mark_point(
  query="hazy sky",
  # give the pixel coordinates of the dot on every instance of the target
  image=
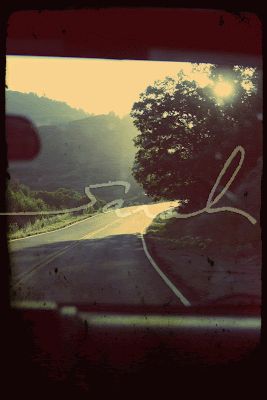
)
(96, 86)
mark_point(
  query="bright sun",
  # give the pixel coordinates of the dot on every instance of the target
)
(223, 89)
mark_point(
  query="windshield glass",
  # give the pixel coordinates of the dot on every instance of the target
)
(147, 189)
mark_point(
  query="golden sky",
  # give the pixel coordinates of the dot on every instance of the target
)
(96, 86)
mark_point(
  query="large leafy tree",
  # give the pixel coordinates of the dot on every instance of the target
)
(188, 131)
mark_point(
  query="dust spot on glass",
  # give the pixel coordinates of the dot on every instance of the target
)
(211, 262)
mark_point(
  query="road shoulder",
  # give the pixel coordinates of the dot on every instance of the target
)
(202, 275)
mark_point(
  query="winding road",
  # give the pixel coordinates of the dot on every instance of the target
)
(98, 260)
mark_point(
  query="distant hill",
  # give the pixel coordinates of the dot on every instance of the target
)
(41, 110)
(82, 152)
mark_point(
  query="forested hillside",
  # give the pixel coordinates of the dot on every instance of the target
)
(41, 110)
(21, 199)
(78, 149)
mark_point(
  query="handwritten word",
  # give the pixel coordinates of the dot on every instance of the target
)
(119, 202)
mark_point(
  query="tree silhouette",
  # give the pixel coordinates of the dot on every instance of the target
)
(187, 133)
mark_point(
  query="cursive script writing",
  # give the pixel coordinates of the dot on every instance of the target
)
(119, 202)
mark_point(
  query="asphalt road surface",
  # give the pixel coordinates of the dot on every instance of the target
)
(100, 259)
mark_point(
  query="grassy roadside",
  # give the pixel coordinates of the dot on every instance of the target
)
(224, 233)
(169, 233)
(48, 224)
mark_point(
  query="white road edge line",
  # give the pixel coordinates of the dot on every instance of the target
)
(166, 280)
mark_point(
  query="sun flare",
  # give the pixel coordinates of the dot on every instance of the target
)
(223, 89)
